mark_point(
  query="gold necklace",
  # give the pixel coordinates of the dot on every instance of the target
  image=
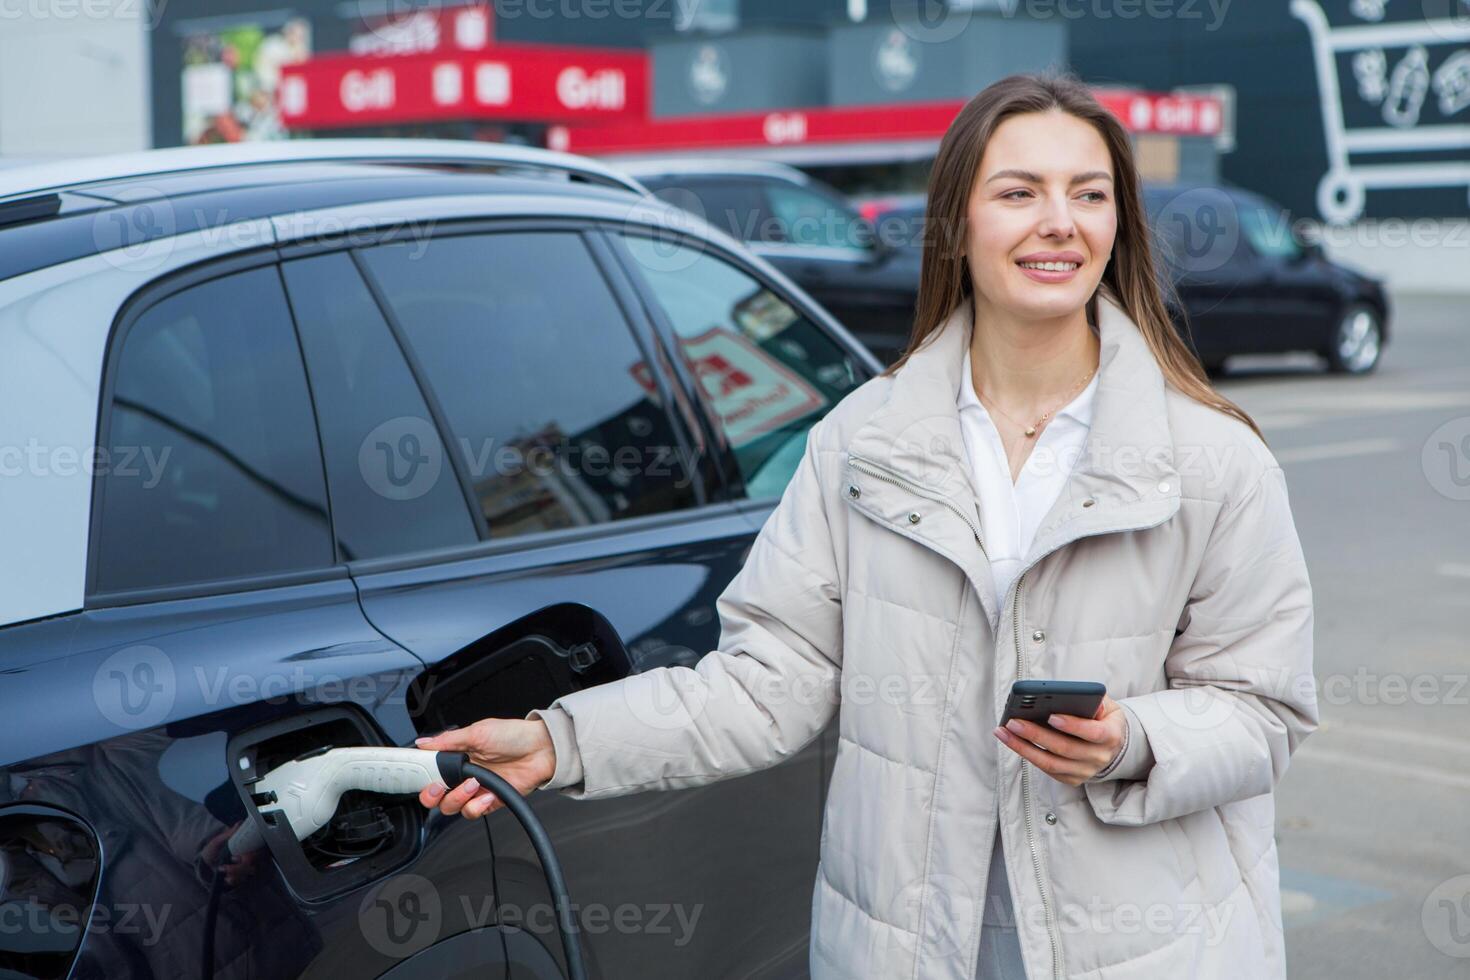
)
(1031, 430)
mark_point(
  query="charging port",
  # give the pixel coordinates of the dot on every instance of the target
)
(370, 835)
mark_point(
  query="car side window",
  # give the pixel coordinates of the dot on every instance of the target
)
(1198, 232)
(810, 218)
(552, 407)
(767, 373)
(216, 472)
(1267, 229)
(393, 489)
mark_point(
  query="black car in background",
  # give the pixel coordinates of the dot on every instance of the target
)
(1248, 283)
(391, 435)
(868, 280)
(1244, 280)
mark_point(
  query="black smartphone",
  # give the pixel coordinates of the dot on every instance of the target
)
(1038, 700)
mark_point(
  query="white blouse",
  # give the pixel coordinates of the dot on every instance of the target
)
(1009, 515)
(1010, 512)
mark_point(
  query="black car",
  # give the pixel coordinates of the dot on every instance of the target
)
(867, 276)
(1246, 282)
(335, 443)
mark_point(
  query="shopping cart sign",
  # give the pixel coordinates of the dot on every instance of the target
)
(1393, 91)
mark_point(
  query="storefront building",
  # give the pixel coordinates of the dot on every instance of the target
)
(1338, 109)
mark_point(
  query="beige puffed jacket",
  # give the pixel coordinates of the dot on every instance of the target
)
(1169, 569)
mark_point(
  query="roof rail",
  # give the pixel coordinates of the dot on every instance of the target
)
(62, 174)
(693, 166)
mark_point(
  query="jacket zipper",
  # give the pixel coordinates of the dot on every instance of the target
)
(1026, 795)
(873, 470)
(881, 473)
(1025, 769)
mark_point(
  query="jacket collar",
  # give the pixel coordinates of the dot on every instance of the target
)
(1126, 467)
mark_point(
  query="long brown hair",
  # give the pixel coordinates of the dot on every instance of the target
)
(1130, 277)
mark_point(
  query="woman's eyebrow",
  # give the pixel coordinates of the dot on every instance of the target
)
(1036, 178)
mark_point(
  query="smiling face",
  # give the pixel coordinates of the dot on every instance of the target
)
(1044, 193)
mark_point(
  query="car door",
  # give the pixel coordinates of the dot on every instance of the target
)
(596, 503)
(221, 634)
(762, 367)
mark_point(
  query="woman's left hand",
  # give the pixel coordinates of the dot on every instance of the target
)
(1069, 749)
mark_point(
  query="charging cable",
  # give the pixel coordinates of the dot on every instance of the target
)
(305, 792)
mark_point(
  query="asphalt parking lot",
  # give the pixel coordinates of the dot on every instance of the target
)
(1374, 813)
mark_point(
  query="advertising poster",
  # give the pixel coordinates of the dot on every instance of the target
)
(230, 77)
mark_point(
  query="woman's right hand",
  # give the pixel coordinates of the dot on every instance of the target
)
(520, 752)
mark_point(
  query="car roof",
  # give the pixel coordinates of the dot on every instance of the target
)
(650, 168)
(85, 171)
(128, 203)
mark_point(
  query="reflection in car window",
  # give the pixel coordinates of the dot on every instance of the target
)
(393, 491)
(554, 411)
(767, 373)
(809, 218)
(215, 469)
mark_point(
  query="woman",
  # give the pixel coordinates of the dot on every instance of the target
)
(1161, 559)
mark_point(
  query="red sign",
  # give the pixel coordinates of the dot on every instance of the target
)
(1141, 112)
(1153, 112)
(857, 124)
(521, 81)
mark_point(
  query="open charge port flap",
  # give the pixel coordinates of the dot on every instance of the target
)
(370, 834)
(524, 665)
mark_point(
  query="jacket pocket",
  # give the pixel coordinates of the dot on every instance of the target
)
(1122, 892)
